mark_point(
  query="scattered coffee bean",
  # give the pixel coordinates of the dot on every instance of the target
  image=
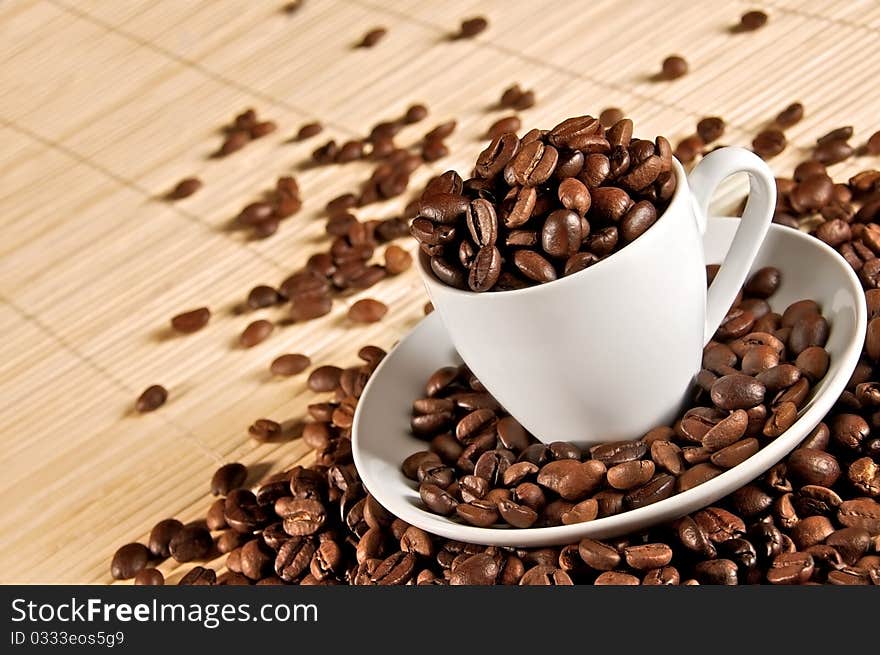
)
(367, 310)
(185, 188)
(769, 143)
(228, 477)
(290, 364)
(151, 399)
(751, 21)
(472, 26)
(308, 130)
(674, 67)
(372, 37)
(129, 560)
(791, 115)
(191, 321)
(256, 333)
(711, 129)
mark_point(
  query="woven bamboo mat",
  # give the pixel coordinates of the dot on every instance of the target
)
(105, 105)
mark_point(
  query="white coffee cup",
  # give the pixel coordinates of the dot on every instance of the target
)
(610, 352)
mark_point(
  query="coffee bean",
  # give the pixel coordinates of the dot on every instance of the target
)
(265, 429)
(791, 568)
(610, 116)
(129, 560)
(561, 235)
(294, 557)
(199, 576)
(308, 130)
(697, 475)
(185, 188)
(717, 572)
(367, 310)
(161, 535)
(534, 266)
(711, 128)
(637, 220)
(478, 569)
(627, 475)
(480, 513)
(255, 333)
(674, 67)
(507, 124)
(290, 364)
(372, 37)
(192, 541)
(472, 26)
(618, 452)
(151, 577)
(648, 556)
(546, 576)
(769, 143)
(790, 115)
(860, 513)
(534, 164)
(814, 466)
(737, 391)
(752, 20)
(616, 579)
(151, 399)
(228, 477)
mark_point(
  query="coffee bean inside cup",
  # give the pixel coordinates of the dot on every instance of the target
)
(546, 205)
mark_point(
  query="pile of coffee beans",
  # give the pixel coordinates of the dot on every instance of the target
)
(547, 205)
(483, 468)
(812, 518)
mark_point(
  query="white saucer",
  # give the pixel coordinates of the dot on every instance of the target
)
(381, 438)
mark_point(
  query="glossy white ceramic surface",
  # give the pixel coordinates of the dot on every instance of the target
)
(381, 437)
(568, 359)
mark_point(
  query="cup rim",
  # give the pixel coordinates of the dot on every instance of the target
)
(431, 280)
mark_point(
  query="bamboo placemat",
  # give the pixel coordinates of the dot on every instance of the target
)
(107, 104)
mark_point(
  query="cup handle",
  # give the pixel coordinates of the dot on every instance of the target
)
(704, 179)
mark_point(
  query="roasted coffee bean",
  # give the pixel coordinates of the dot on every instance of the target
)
(711, 128)
(735, 453)
(659, 488)
(228, 477)
(648, 556)
(769, 143)
(437, 500)
(545, 575)
(367, 310)
(151, 399)
(534, 266)
(737, 391)
(161, 535)
(534, 164)
(717, 572)
(561, 235)
(472, 26)
(478, 512)
(814, 467)
(674, 67)
(697, 475)
(860, 513)
(791, 568)
(129, 560)
(191, 321)
(478, 569)
(616, 578)
(294, 557)
(290, 364)
(628, 475)
(790, 115)
(192, 541)
(255, 333)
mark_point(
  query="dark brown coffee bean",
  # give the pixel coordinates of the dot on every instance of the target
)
(610, 203)
(478, 569)
(534, 266)
(437, 500)
(372, 37)
(711, 128)
(574, 195)
(637, 219)
(791, 568)
(505, 125)
(790, 115)
(864, 474)
(648, 556)
(860, 513)
(769, 143)
(618, 452)
(659, 488)
(697, 475)
(185, 188)
(128, 561)
(806, 332)
(610, 116)
(199, 576)
(497, 155)
(627, 475)
(367, 310)
(833, 151)
(735, 454)
(783, 417)
(519, 516)
(534, 164)
(255, 333)
(161, 535)
(191, 321)
(674, 67)
(290, 364)
(480, 513)
(228, 477)
(616, 579)
(482, 222)
(764, 282)
(688, 149)
(472, 26)
(561, 235)
(151, 399)
(264, 429)
(726, 432)
(544, 575)
(717, 572)
(192, 541)
(294, 557)
(308, 130)
(813, 467)
(149, 577)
